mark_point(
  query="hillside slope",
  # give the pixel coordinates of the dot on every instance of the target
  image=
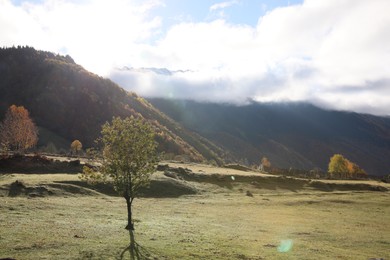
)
(293, 135)
(67, 102)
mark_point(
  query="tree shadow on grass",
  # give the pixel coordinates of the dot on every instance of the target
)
(135, 251)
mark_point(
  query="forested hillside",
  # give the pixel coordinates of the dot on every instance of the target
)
(67, 102)
(295, 135)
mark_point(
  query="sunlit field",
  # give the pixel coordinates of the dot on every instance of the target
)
(242, 220)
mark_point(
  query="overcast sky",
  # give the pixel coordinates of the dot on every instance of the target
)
(333, 53)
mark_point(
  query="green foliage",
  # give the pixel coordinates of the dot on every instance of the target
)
(129, 155)
(91, 176)
(129, 158)
(93, 153)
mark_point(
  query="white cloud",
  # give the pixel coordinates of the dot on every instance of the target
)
(333, 52)
(98, 34)
(222, 5)
(329, 52)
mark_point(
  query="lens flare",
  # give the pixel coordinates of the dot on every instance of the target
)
(285, 246)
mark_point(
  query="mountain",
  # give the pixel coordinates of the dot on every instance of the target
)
(295, 135)
(67, 103)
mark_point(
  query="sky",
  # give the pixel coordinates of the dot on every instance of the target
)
(331, 53)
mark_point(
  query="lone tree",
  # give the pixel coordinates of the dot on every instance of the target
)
(17, 131)
(129, 159)
(265, 164)
(76, 146)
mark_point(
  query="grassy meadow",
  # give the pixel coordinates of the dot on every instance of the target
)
(264, 217)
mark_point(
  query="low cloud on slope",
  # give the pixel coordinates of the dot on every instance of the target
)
(332, 53)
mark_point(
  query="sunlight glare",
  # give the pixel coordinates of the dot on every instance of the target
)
(285, 246)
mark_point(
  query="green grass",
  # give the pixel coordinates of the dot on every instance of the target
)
(216, 224)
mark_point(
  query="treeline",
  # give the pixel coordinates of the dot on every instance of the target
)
(339, 168)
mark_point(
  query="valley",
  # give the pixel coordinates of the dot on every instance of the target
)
(210, 212)
(206, 200)
(70, 103)
(186, 130)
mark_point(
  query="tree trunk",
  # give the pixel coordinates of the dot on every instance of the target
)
(130, 225)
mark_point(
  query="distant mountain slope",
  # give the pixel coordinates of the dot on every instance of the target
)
(291, 135)
(66, 100)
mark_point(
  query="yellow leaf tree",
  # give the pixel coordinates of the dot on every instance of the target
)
(337, 166)
(342, 167)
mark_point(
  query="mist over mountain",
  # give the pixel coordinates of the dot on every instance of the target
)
(214, 87)
(296, 135)
(67, 102)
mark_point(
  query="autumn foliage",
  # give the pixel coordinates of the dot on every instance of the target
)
(76, 146)
(340, 167)
(17, 131)
(265, 164)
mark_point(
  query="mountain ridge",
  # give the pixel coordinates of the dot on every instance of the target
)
(65, 99)
(67, 102)
(291, 135)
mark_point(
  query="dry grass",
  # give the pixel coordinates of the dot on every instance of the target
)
(218, 223)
